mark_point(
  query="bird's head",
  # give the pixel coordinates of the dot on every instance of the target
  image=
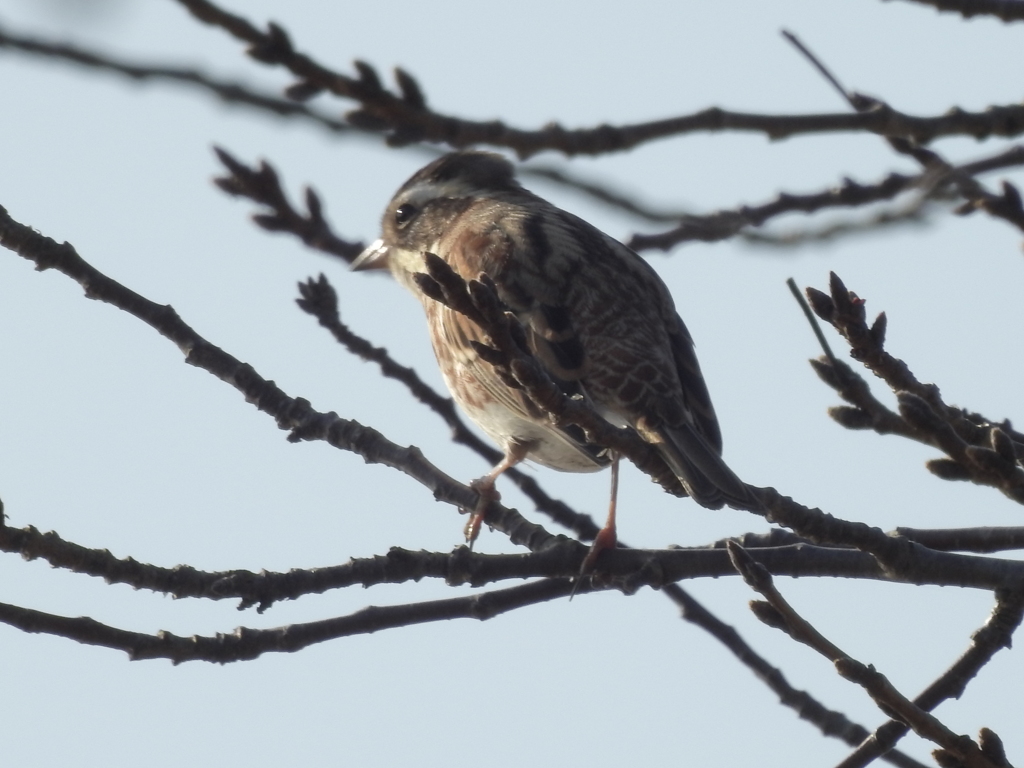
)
(424, 208)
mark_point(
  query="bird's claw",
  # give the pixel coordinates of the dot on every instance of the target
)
(487, 493)
(605, 539)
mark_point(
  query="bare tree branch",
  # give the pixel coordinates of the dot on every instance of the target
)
(924, 724)
(778, 613)
(980, 450)
(829, 722)
(978, 539)
(231, 93)
(994, 635)
(900, 559)
(1007, 206)
(625, 569)
(244, 643)
(721, 225)
(816, 544)
(408, 120)
(293, 414)
(263, 186)
(984, 539)
(919, 212)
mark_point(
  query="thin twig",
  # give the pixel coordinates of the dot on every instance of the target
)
(818, 65)
(815, 326)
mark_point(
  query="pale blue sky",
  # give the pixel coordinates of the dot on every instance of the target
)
(108, 438)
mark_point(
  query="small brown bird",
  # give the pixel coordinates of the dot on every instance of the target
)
(597, 317)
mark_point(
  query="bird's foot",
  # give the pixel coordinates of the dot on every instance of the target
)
(487, 493)
(605, 539)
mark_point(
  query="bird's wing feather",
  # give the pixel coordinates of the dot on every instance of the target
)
(479, 251)
(604, 325)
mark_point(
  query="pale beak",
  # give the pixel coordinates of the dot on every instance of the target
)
(374, 257)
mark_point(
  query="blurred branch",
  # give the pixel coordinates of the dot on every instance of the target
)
(1007, 206)
(723, 224)
(1007, 10)
(603, 193)
(262, 185)
(231, 93)
(711, 227)
(918, 212)
(979, 450)
(237, 93)
(407, 119)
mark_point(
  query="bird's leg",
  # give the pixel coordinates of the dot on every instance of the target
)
(606, 538)
(486, 491)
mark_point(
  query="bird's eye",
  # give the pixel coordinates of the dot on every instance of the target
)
(405, 214)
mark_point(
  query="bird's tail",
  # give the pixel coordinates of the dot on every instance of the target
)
(701, 470)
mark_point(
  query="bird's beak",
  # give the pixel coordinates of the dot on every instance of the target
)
(374, 257)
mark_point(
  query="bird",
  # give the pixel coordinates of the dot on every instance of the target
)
(596, 316)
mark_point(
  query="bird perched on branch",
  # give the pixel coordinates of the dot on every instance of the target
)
(596, 316)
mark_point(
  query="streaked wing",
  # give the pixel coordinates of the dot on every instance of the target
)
(598, 314)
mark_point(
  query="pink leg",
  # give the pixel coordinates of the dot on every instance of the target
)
(606, 538)
(487, 492)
